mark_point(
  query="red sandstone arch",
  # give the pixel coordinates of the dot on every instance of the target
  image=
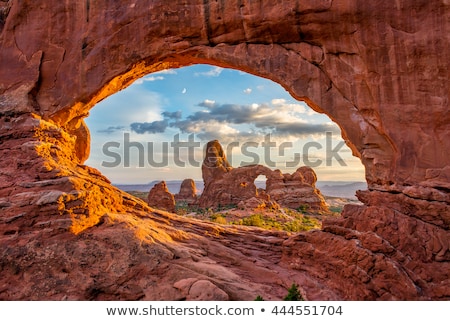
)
(339, 68)
(380, 71)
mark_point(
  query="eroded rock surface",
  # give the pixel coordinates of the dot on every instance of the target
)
(296, 190)
(378, 69)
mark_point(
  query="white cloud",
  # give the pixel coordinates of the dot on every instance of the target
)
(166, 72)
(208, 103)
(140, 81)
(278, 101)
(212, 127)
(153, 78)
(289, 108)
(248, 91)
(214, 72)
(209, 130)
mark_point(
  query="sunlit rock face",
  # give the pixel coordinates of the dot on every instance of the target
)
(378, 69)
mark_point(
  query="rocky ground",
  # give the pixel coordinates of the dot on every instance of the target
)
(283, 219)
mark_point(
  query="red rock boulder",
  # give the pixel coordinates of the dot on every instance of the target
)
(188, 192)
(160, 197)
(296, 190)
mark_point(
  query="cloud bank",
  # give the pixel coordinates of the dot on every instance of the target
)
(234, 121)
(111, 129)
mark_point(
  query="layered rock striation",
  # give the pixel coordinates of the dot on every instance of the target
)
(378, 69)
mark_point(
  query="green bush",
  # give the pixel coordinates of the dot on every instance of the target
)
(303, 208)
(295, 226)
(336, 209)
(221, 207)
(293, 294)
(182, 208)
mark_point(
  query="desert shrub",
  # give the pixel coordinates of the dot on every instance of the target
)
(293, 294)
(273, 224)
(237, 222)
(295, 226)
(335, 209)
(303, 208)
(221, 207)
(142, 195)
(218, 218)
(182, 208)
(221, 220)
(311, 222)
(253, 220)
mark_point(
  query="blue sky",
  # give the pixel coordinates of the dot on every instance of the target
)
(255, 120)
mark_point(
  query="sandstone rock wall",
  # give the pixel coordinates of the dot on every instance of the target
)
(378, 69)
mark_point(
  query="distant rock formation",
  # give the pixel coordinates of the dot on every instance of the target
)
(215, 164)
(261, 201)
(160, 197)
(188, 192)
(296, 190)
(225, 185)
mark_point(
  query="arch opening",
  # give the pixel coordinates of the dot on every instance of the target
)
(256, 118)
(261, 182)
(158, 128)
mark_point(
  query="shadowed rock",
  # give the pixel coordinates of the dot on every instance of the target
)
(188, 192)
(160, 197)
